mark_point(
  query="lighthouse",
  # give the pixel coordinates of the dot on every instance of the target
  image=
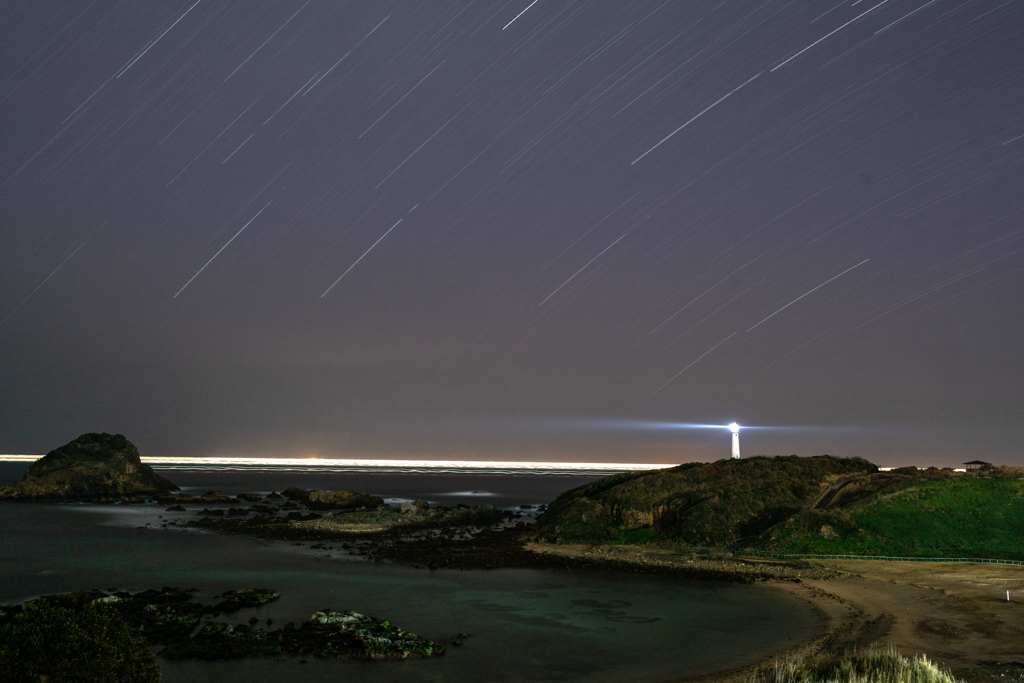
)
(735, 429)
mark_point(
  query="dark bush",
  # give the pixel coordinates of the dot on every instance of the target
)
(91, 645)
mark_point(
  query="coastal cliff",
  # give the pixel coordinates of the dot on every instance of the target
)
(93, 465)
(706, 504)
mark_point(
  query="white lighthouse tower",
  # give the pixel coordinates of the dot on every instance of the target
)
(735, 429)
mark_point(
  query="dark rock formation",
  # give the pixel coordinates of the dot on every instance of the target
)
(215, 497)
(702, 504)
(415, 507)
(326, 500)
(173, 498)
(91, 466)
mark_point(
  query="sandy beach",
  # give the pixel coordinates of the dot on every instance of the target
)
(955, 613)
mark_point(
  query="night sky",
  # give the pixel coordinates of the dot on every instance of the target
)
(521, 230)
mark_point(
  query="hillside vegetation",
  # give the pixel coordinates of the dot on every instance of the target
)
(791, 504)
(970, 515)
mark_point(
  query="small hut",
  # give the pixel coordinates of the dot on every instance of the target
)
(977, 464)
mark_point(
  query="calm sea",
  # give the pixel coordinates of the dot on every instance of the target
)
(525, 625)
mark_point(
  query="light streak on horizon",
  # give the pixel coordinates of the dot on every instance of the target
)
(370, 465)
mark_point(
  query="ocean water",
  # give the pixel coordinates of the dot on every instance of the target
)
(525, 625)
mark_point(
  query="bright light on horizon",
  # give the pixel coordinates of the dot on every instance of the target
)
(370, 465)
(734, 428)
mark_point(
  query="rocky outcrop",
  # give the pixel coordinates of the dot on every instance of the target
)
(714, 504)
(91, 466)
(352, 635)
(416, 507)
(215, 497)
(407, 518)
(327, 500)
(208, 497)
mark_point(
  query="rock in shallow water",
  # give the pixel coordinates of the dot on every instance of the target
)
(352, 635)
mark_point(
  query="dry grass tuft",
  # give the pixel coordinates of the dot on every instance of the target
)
(883, 665)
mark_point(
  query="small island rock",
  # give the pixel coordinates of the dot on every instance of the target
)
(91, 466)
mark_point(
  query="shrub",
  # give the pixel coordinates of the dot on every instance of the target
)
(91, 645)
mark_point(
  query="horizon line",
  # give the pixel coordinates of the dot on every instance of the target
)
(273, 463)
(278, 463)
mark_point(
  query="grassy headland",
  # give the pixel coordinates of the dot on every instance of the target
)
(801, 505)
(973, 515)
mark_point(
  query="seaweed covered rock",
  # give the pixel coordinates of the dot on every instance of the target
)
(702, 504)
(91, 466)
(161, 616)
(351, 635)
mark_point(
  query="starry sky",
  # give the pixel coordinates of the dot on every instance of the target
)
(549, 229)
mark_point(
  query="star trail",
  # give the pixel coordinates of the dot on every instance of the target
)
(771, 212)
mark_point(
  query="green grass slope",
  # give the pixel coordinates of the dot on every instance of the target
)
(789, 504)
(972, 515)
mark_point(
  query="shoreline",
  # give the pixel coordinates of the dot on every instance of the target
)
(956, 614)
(949, 614)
